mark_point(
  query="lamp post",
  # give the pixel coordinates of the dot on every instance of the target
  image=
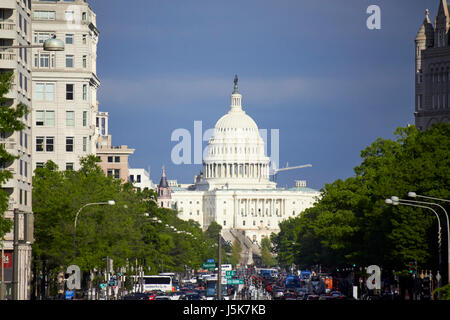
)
(110, 202)
(414, 195)
(51, 44)
(396, 201)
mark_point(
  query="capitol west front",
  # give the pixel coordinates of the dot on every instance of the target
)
(234, 187)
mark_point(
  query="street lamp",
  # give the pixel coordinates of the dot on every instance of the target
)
(414, 195)
(396, 201)
(109, 202)
(51, 44)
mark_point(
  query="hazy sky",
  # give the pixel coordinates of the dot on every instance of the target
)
(311, 69)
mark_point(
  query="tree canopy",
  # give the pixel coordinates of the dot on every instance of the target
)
(352, 224)
(133, 228)
(10, 121)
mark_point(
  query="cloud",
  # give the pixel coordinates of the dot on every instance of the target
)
(179, 91)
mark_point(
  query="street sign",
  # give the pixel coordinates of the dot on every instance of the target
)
(230, 273)
(228, 277)
(235, 281)
(70, 294)
(209, 265)
(210, 261)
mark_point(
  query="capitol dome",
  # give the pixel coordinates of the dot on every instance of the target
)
(235, 154)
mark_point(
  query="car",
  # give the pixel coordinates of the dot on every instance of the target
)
(278, 293)
(162, 298)
(336, 295)
(312, 297)
(136, 296)
(192, 296)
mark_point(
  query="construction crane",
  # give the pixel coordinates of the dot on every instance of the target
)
(275, 170)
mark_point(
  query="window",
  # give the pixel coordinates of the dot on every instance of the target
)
(69, 91)
(110, 159)
(69, 144)
(419, 101)
(84, 144)
(84, 92)
(70, 118)
(40, 37)
(44, 61)
(69, 166)
(114, 173)
(131, 178)
(44, 15)
(44, 91)
(69, 61)
(49, 141)
(44, 143)
(45, 118)
(85, 62)
(69, 15)
(69, 38)
(84, 118)
(116, 159)
(39, 164)
(39, 144)
(84, 16)
(84, 38)
(138, 178)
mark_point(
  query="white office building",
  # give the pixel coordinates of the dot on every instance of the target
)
(65, 83)
(15, 30)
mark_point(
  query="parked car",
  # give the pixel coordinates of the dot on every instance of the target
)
(136, 296)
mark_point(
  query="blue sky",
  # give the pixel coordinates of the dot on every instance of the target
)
(311, 69)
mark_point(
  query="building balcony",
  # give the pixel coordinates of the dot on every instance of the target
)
(7, 30)
(8, 60)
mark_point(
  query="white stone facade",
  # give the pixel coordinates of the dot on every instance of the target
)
(234, 188)
(15, 29)
(140, 178)
(64, 83)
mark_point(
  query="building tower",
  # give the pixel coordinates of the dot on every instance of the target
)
(164, 192)
(432, 69)
(15, 30)
(65, 83)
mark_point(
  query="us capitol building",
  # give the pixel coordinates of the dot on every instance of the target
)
(234, 187)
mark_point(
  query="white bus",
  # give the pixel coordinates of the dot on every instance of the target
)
(151, 283)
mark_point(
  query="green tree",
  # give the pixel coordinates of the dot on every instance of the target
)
(351, 224)
(236, 251)
(10, 121)
(266, 253)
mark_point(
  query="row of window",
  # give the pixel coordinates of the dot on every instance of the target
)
(47, 61)
(69, 15)
(23, 197)
(114, 173)
(40, 37)
(438, 101)
(46, 92)
(46, 118)
(23, 82)
(138, 178)
(112, 159)
(69, 165)
(23, 168)
(47, 144)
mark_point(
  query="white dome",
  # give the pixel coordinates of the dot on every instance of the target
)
(235, 155)
(235, 119)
